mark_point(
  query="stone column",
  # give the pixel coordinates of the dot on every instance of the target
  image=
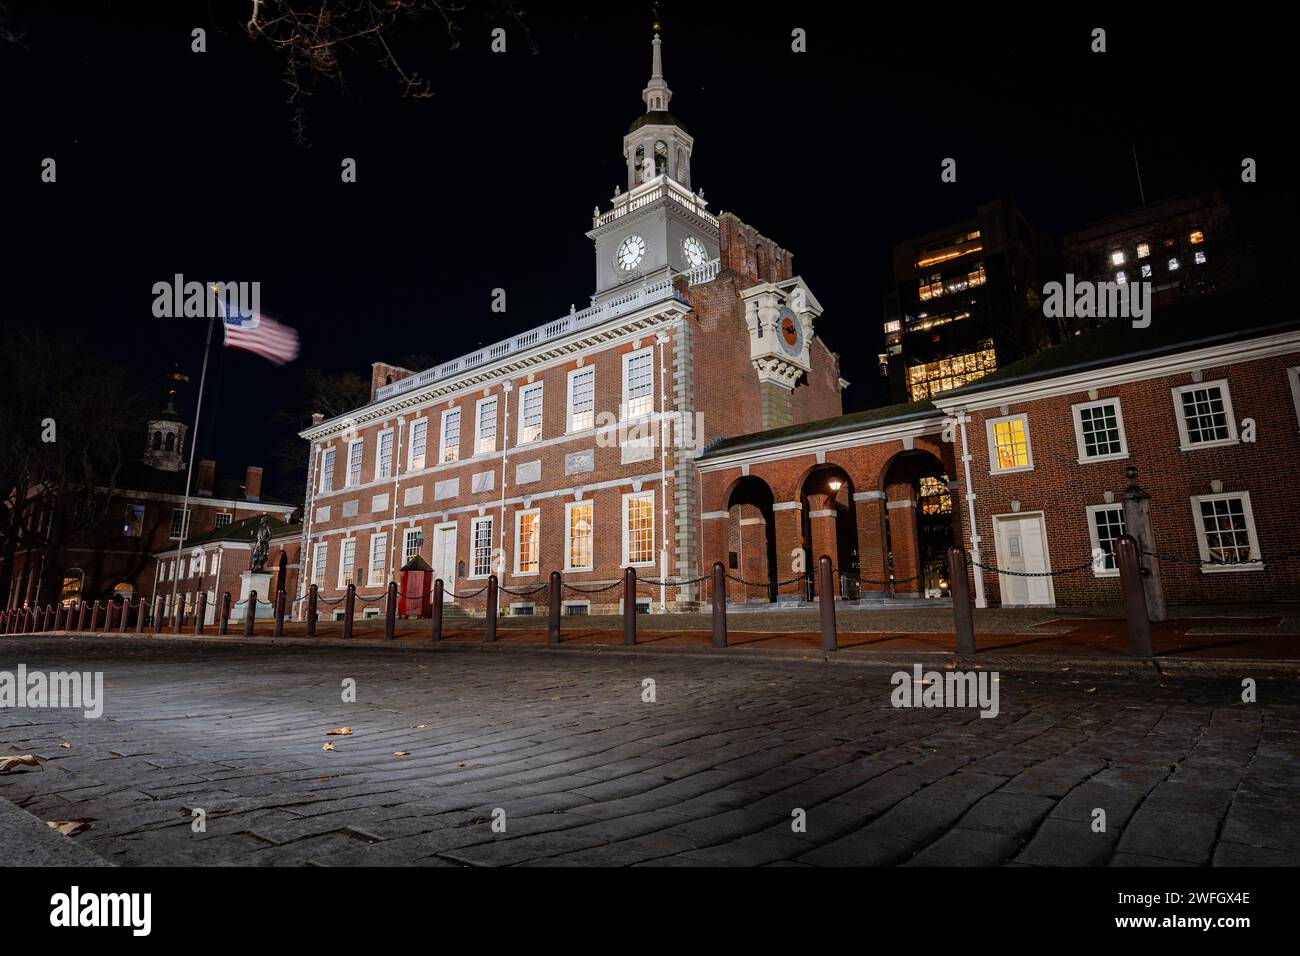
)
(903, 541)
(873, 554)
(789, 537)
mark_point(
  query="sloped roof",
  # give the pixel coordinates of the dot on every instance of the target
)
(242, 531)
(885, 414)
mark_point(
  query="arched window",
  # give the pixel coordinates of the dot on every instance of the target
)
(171, 441)
(157, 440)
(640, 164)
(681, 165)
(72, 579)
(661, 158)
(760, 262)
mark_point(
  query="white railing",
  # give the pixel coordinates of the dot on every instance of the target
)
(632, 201)
(647, 294)
(706, 272)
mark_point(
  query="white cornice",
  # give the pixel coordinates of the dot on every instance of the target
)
(865, 435)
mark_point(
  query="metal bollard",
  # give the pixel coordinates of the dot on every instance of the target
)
(1135, 599)
(826, 603)
(312, 596)
(94, 617)
(139, 615)
(959, 587)
(200, 609)
(390, 613)
(178, 614)
(553, 611)
(436, 626)
(349, 603)
(490, 622)
(158, 615)
(250, 614)
(629, 606)
(223, 626)
(126, 615)
(719, 605)
(279, 614)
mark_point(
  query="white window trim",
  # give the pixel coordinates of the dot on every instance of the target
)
(541, 423)
(331, 455)
(519, 516)
(320, 558)
(473, 537)
(478, 422)
(1202, 541)
(568, 405)
(628, 358)
(585, 605)
(371, 581)
(1293, 376)
(347, 473)
(442, 434)
(517, 607)
(653, 517)
(410, 444)
(406, 538)
(993, 448)
(343, 548)
(379, 449)
(228, 523)
(185, 525)
(1096, 542)
(1184, 444)
(568, 535)
(1076, 411)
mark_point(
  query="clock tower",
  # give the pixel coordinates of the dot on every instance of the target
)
(658, 228)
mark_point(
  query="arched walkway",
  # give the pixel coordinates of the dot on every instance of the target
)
(751, 541)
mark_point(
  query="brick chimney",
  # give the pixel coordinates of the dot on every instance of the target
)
(253, 484)
(203, 479)
(317, 418)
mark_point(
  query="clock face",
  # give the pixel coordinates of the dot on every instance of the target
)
(629, 253)
(694, 251)
(791, 330)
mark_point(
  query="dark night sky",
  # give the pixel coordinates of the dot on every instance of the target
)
(171, 162)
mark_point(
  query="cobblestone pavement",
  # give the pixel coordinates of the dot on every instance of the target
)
(587, 772)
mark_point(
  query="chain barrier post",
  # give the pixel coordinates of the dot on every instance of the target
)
(200, 609)
(629, 606)
(139, 615)
(158, 615)
(250, 613)
(390, 613)
(312, 597)
(436, 626)
(224, 626)
(178, 618)
(959, 588)
(826, 603)
(280, 600)
(49, 617)
(490, 620)
(553, 611)
(349, 607)
(1135, 600)
(719, 605)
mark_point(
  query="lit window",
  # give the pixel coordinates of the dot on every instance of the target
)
(378, 558)
(384, 455)
(1146, 270)
(419, 442)
(1173, 265)
(412, 543)
(1144, 250)
(1199, 256)
(530, 413)
(224, 518)
(318, 556)
(582, 398)
(450, 435)
(480, 548)
(355, 451)
(638, 383)
(133, 521)
(932, 378)
(1105, 525)
(1121, 277)
(327, 470)
(527, 541)
(1117, 258)
(1099, 431)
(1225, 529)
(578, 552)
(1204, 415)
(639, 529)
(485, 426)
(180, 524)
(1009, 444)
(348, 563)
(1197, 237)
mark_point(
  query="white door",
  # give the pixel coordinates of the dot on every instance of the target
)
(444, 558)
(1022, 546)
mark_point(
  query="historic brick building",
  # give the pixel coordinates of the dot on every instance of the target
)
(571, 446)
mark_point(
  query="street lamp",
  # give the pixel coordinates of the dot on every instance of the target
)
(835, 484)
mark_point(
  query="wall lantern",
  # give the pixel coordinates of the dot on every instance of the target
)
(836, 484)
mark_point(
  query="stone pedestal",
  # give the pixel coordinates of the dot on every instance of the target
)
(249, 581)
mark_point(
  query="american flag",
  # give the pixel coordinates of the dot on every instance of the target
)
(266, 337)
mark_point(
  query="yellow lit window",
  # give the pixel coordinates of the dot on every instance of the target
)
(1010, 443)
(580, 546)
(1144, 250)
(1197, 237)
(639, 529)
(527, 537)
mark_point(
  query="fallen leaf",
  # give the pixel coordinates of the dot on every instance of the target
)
(15, 761)
(401, 753)
(70, 827)
(1091, 690)
(66, 745)
(338, 731)
(327, 746)
(421, 726)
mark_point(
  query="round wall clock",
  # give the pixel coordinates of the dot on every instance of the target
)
(694, 251)
(629, 253)
(790, 330)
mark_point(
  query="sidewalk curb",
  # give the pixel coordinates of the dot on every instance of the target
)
(1156, 668)
(29, 841)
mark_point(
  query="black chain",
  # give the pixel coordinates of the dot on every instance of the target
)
(651, 582)
(523, 593)
(853, 577)
(468, 594)
(608, 587)
(1200, 562)
(1034, 574)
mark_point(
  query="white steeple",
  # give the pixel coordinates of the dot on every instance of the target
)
(656, 94)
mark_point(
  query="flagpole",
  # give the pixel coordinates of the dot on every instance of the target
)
(189, 472)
